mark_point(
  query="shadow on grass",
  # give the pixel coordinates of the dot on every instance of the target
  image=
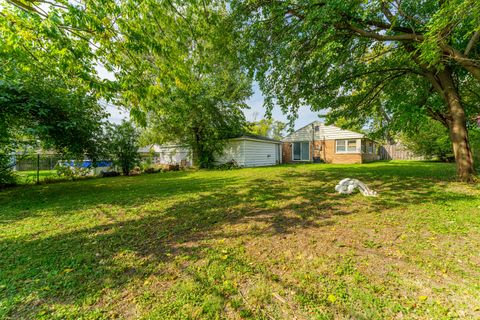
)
(72, 267)
(129, 192)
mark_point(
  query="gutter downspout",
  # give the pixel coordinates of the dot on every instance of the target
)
(313, 142)
(324, 151)
(244, 152)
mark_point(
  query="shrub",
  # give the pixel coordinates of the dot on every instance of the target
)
(230, 165)
(124, 146)
(135, 171)
(72, 171)
(107, 174)
(151, 170)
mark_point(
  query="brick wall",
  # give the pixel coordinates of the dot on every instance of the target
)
(325, 150)
(287, 152)
(332, 157)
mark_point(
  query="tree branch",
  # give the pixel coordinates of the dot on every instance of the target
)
(378, 87)
(381, 37)
(473, 66)
(388, 14)
(354, 76)
(473, 41)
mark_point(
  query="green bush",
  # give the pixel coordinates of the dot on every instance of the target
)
(7, 177)
(72, 172)
(230, 165)
(123, 146)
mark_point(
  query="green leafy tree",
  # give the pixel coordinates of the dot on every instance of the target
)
(59, 118)
(123, 145)
(47, 116)
(359, 59)
(430, 140)
(179, 73)
(268, 128)
(48, 84)
(173, 60)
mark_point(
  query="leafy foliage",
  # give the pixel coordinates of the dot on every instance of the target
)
(48, 85)
(316, 53)
(382, 63)
(267, 128)
(48, 112)
(474, 134)
(430, 140)
(123, 145)
(189, 88)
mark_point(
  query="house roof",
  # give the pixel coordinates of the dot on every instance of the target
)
(255, 137)
(327, 132)
(157, 148)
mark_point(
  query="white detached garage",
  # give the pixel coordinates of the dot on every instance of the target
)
(252, 151)
(246, 151)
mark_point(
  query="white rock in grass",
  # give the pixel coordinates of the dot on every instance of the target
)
(348, 186)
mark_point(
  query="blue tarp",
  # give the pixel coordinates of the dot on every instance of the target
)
(87, 163)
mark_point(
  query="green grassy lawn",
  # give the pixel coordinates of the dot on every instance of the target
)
(30, 177)
(260, 243)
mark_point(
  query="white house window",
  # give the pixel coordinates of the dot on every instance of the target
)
(370, 147)
(351, 145)
(317, 128)
(346, 146)
(301, 151)
(341, 146)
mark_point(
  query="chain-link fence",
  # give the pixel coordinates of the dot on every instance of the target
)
(34, 168)
(36, 162)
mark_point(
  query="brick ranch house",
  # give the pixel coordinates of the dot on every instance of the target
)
(317, 142)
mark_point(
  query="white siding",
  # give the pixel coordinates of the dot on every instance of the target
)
(325, 132)
(233, 151)
(173, 155)
(259, 153)
(244, 151)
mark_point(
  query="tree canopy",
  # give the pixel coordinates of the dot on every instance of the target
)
(174, 62)
(391, 59)
(179, 74)
(386, 63)
(268, 128)
(49, 88)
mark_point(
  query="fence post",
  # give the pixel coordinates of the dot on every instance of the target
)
(38, 168)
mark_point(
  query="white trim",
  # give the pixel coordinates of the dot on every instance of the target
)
(244, 145)
(327, 132)
(253, 139)
(309, 151)
(346, 146)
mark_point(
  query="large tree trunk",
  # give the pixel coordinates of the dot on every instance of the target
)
(196, 153)
(457, 126)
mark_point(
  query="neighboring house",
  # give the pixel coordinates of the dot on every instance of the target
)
(246, 150)
(317, 142)
(167, 154)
